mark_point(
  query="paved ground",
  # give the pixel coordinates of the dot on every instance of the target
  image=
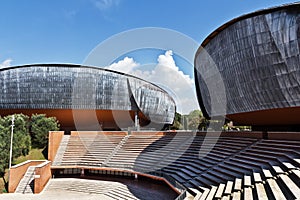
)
(83, 189)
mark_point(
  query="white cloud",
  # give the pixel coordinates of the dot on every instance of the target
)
(166, 74)
(6, 63)
(126, 65)
(106, 4)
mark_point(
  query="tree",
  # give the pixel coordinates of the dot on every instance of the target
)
(21, 136)
(21, 139)
(196, 120)
(177, 122)
(4, 146)
(40, 127)
(193, 121)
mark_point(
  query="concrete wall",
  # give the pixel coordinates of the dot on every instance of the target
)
(148, 133)
(249, 134)
(117, 172)
(246, 134)
(43, 174)
(283, 135)
(55, 138)
(76, 133)
(18, 171)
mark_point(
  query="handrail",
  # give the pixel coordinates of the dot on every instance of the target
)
(30, 179)
(26, 162)
(44, 163)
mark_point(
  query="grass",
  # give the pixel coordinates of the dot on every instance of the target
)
(2, 186)
(34, 154)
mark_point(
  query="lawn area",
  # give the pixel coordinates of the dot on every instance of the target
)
(2, 183)
(1, 186)
(34, 154)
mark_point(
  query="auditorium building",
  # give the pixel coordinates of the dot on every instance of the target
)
(84, 97)
(257, 56)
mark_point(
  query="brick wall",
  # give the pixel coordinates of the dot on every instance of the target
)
(55, 138)
(17, 172)
(283, 135)
(122, 133)
(43, 174)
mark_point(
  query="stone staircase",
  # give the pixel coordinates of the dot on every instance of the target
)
(111, 189)
(121, 193)
(26, 185)
(61, 150)
(116, 149)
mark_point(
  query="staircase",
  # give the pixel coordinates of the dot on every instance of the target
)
(61, 150)
(121, 193)
(26, 185)
(116, 149)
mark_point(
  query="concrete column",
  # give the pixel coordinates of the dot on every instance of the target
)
(137, 121)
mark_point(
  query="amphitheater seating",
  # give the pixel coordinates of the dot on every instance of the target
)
(100, 189)
(209, 167)
(275, 183)
(89, 149)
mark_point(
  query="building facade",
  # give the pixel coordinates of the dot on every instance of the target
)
(258, 59)
(74, 93)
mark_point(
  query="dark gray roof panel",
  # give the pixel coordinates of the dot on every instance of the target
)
(66, 86)
(258, 57)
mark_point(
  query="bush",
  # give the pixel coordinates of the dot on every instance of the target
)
(21, 139)
(40, 127)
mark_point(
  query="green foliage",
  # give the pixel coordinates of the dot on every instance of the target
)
(196, 121)
(177, 122)
(40, 127)
(21, 139)
(4, 146)
(193, 121)
(34, 154)
(229, 126)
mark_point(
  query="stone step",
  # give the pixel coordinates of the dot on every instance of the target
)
(26, 183)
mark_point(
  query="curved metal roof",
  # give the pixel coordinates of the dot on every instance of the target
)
(242, 17)
(70, 86)
(239, 47)
(78, 66)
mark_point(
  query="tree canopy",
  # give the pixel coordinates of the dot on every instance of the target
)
(196, 120)
(177, 122)
(21, 138)
(193, 121)
(27, 132)
(40, 127)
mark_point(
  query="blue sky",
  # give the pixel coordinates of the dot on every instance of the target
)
(66, 31)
